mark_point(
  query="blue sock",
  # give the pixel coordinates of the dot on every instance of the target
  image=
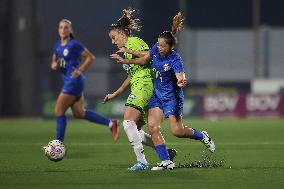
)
(96, 118)
(60, 127)
(162, 152)
(197, 135)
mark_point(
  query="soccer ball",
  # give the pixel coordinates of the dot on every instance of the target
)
(55, 150)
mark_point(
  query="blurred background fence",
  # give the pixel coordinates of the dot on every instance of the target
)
(232, 51)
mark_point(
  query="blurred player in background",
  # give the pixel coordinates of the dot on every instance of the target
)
(167, 100)
(72, 59)
(140, 79)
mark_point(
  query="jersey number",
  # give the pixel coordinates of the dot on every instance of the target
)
(62, 63)
(157, 74)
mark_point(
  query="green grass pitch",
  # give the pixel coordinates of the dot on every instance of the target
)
(253, 150)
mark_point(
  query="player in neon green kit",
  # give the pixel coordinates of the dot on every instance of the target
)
(141, 82)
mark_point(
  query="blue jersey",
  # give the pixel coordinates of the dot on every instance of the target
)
(164, 69)
(69, 56)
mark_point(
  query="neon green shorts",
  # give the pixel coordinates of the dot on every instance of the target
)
(139, 98)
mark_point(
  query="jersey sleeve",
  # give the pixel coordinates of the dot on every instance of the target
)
(177, 65)
(78, 48)
(153, 50)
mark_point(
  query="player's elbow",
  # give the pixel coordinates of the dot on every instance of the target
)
(92, 58)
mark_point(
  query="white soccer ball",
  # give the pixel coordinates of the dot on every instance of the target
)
(55, 150)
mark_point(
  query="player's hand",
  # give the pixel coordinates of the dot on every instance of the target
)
(76, 73)
(182, 83)
(108, 97)
(122, 50)
(53, 65)
(117, 58)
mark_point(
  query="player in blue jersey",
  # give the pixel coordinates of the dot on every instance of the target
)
(72, 59)
(140, 81)
(167, 99)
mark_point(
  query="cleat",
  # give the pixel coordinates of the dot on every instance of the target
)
(114, 130)
(208, 142)
(164, 165)
(172, 153)
(139, 166)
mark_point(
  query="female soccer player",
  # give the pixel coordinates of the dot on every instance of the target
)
(168, 98)
(72, 58)
(140, 80)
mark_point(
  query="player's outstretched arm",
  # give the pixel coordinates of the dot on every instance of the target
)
(133, 52)
(139, 61)
(120, 90)
(182, 81)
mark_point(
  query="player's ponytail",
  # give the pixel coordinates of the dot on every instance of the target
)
(170, 36)
(177, 23)
(126, 23)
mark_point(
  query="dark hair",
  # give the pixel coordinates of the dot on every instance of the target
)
(126, 23)
(70, 23)
(170, 36)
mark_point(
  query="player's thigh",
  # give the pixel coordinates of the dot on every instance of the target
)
(63, 102)
(78, 108)
(132, 114)
(155, 118)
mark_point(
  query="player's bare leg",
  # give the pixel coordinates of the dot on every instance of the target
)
(155, 119)
(181, 131)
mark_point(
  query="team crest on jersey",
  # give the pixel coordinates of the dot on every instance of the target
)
(132, 96)
(166, 67)
(65, 52)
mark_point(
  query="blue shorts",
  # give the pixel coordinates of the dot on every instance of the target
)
(172, 106)
(74, 86)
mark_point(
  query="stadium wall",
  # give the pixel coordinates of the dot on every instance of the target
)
(206, 106)
(227, 54)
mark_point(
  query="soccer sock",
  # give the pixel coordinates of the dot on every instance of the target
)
(197, 135)
(135, 139)
(146, 139)
(97, 118)
(60, 127)
(162, 152)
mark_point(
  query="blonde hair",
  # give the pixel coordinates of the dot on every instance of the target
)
(177, 25)
(126, 22)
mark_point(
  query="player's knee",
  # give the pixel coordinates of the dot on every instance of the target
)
(58, 112)
(154, 128)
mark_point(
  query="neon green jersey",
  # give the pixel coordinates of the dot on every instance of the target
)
(137, 73)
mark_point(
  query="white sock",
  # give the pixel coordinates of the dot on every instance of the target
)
(110, 124)
(135, 139)
(146, 139)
